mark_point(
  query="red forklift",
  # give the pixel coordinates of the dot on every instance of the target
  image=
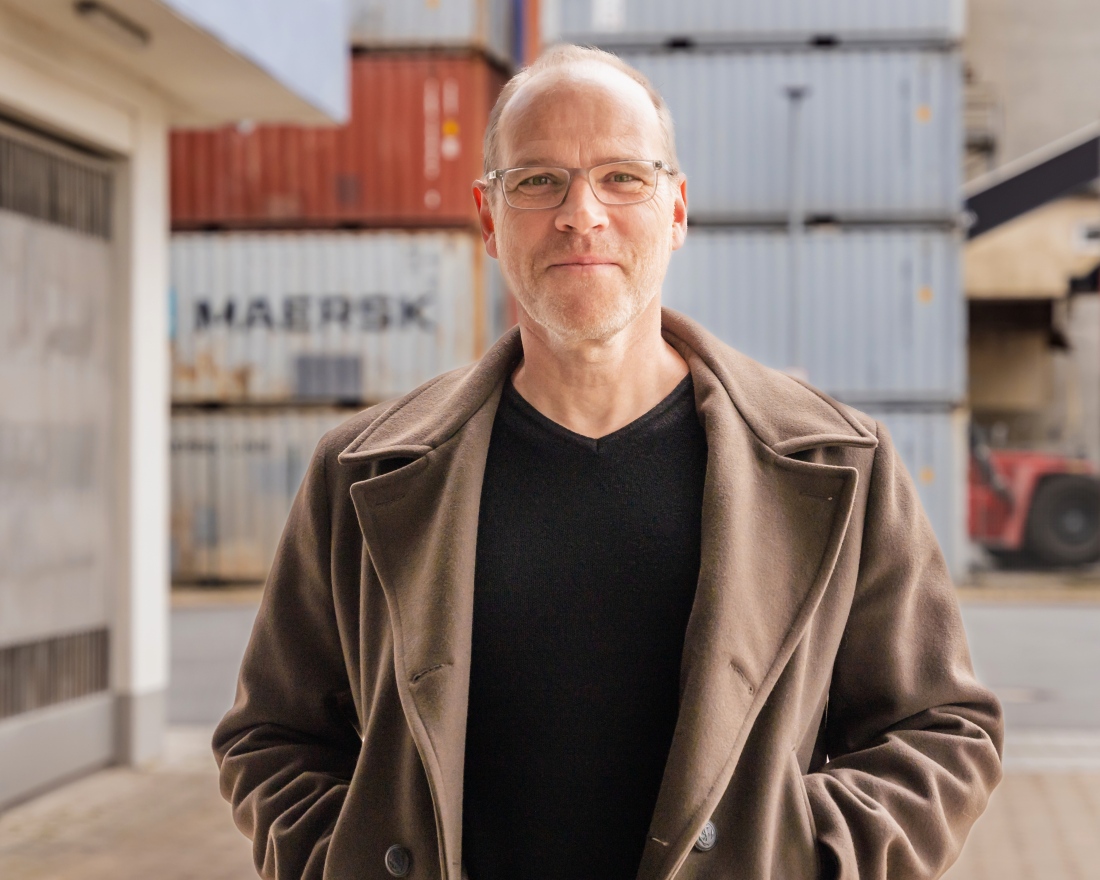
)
(1033, 507)
(1028, 507)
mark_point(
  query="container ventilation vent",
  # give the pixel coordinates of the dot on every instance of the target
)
(52, 670)
(54, 183)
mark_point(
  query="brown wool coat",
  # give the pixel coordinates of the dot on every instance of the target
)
(828, 708)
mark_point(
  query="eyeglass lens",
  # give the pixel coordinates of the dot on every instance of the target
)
(616, 183)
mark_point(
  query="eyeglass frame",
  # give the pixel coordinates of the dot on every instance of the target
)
(658, 165)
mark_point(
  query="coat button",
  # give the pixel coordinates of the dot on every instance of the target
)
(398, 861)
(707, 838)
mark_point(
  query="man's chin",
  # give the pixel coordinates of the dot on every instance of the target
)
(576, 326)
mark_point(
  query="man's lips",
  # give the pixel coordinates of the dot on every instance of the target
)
(584, 261)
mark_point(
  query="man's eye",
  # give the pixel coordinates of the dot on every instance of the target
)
(536, 180)
(622, 177)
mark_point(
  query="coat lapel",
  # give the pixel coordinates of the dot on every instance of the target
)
(772, 531)
(419, 524)
(420, 528)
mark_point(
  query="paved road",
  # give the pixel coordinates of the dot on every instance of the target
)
(207, 648)
(1042, 660)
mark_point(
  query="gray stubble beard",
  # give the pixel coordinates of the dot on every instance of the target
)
(549, 313)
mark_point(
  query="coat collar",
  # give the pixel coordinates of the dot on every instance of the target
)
(783, 413)
(772, 531)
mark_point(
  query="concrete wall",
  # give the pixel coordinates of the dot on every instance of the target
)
(1042, 61)
(1030, 395)
(1035, 255)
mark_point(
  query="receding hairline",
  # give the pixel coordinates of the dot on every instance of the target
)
(569, 62)
(551, 82)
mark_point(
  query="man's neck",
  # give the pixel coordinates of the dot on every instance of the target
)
(595, 388)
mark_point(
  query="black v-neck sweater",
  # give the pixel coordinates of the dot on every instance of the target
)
(587, 562)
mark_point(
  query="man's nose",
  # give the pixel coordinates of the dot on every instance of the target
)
(581, 211)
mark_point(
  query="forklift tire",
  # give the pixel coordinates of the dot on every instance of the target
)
(1063, 525)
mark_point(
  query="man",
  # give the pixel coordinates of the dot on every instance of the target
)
(615, 601)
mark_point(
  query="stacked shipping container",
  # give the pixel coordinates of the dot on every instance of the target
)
(234, 475)
(406, 157)
(821, 142)
(315, 271)
(326, 317)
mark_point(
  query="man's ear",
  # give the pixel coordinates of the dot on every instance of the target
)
(679, 212)
(485, 217)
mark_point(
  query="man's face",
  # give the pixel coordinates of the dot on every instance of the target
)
(583, 270)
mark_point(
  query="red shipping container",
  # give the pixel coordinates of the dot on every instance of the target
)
(407, 157)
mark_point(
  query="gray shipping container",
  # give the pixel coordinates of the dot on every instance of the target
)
(876, 137)
(327, 316)
(869, 315)
(410, 24)
(234, 476)
(655, 22)
(933, 446)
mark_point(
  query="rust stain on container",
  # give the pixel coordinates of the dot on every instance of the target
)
(408, 156)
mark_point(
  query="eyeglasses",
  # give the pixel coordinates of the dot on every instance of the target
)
(535, 187)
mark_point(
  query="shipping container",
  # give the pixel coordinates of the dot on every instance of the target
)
(874, 136)
(738, 22)
(408, 156)
(482, 24)
(867, 314)
(932, 443)
(235, 473)
(327, 316)
(234, 476)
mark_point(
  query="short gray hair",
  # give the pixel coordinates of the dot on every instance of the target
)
(566, 56)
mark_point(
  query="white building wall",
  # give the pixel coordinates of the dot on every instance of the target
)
(64, 90)
(141, 643)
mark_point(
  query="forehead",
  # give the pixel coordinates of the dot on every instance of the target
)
(579, 114)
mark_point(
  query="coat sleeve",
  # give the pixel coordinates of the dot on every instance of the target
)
(913, 740)
(288, 747)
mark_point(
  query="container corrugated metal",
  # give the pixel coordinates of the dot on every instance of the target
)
(877, 134)
(333, 316)
(58, 342)
(234, 476)
(868, 314)
(407, 157)
(932, 443)
(656, 22)
(480, 24)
